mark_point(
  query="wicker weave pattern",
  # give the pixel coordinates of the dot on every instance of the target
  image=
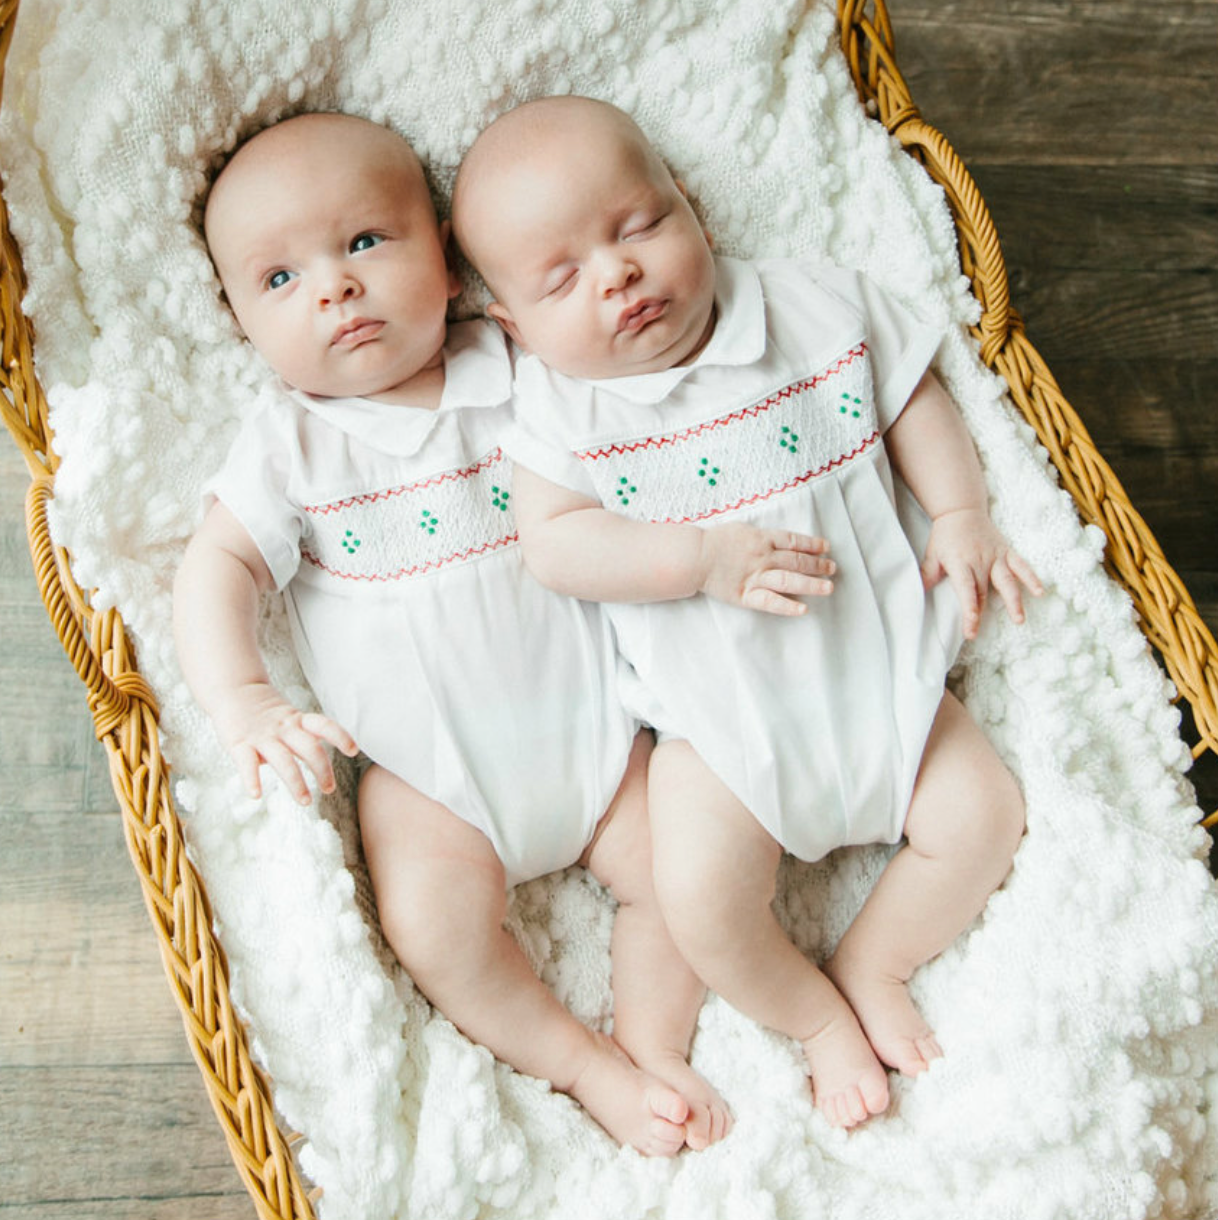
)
(1168, 614)
(125, 719)
(125, 712)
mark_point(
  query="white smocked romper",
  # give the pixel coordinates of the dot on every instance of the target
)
(816, 723)
(389, 530)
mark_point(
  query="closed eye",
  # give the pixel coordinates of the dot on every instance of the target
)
(644, 229)
(561, 284)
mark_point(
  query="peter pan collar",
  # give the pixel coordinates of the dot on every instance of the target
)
(739, 336)
(477, 373)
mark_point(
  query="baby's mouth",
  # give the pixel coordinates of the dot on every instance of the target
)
(355, 332)
(636, 317)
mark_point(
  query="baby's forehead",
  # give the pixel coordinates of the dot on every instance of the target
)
(319, 149)
(261, 191)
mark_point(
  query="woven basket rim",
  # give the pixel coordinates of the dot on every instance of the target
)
(125, 713)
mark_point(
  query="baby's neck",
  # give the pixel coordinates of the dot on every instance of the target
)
(424, 389)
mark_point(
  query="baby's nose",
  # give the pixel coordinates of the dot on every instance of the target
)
(336, 289)
(616, 272)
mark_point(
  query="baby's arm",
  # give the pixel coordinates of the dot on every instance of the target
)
(215, 605)
(577, 547)
(932, 451)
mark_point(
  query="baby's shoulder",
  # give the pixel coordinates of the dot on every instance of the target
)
(271, 418)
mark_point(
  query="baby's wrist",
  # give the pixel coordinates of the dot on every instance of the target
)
(234, 701)
(960, 510)
(704, 559)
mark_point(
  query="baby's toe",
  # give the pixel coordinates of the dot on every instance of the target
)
(668, 1104)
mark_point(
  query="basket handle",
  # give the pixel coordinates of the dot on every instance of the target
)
(981, 256)
(109, 698)
(868, 45)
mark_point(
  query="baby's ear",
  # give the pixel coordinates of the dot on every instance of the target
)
(499, 314)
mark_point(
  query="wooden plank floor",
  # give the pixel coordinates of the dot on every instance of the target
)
(1089, 127)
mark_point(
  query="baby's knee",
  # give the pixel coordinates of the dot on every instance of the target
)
(441, 927)
(620, 857)
(705, 906)
(1003, 816)
(989, 836)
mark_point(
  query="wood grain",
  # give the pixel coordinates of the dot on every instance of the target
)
(1089, 127)
(102, 1113)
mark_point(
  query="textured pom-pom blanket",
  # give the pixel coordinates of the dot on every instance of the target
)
(1079, 1014)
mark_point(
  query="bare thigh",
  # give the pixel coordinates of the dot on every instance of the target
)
(432, 872)
(966, 803)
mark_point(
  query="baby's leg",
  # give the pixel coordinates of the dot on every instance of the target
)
(441, 899)
(656, 996)
(964, 824)
(715, 870)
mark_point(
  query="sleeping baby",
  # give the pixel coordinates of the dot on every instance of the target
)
(692, 430)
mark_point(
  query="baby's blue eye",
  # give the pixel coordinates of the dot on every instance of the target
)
(277, 279)
(365, 241)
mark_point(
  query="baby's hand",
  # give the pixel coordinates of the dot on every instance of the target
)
(766, 570)
(967, 548)
(258, 725)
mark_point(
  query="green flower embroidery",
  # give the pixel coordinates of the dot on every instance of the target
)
(429, 522)
(789, 440)
(850, 406)
(624, 490)
(708, 472)
(500, 498)
(350, 542)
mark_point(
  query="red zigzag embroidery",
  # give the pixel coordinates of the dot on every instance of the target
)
(449, 476)
(417, 569)
(672, 438)
(866, 444)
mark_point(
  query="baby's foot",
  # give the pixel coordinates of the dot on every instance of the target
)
(635, 1107)
(709, 1118)
(897, 1031)
(848, 1083)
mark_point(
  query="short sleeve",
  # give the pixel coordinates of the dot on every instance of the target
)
(537, 438)
(254, 485)
(900, 345)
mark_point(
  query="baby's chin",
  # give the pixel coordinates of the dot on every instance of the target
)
(399, 386)
(635, 359)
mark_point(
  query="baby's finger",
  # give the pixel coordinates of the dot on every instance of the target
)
(788, 540)
(792, 583)
(1007, 584)
(932, 572)
(1025, 572)
(329, 730)
(246, 760)
(803, 562)
(312, 752)
(282, 761)
(766, 600)
(971, 595)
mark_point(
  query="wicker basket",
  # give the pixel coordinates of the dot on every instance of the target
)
(125, 712)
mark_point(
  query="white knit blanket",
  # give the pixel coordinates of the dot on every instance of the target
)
(1080, 1013)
